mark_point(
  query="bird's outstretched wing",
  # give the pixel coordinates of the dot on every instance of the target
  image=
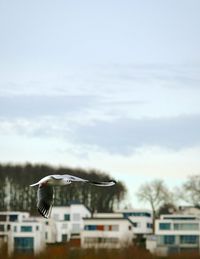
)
(72, 178)
(45, 200)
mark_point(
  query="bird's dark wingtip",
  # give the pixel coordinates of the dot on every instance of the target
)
(41, 213)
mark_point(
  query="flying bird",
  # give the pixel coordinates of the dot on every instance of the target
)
(45, 189)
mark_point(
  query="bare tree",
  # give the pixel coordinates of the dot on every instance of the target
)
(190, 191)
(155, 193)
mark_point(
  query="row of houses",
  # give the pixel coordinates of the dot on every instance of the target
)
(22, 233)
(75, 224)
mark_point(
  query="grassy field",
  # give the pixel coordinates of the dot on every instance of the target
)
(61, 252)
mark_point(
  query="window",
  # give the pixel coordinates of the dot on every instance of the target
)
(76, 217)
(107, 227)
(67, 217)
(13, 217)
(8, 227)
(2, 217)
(149, 225)
(64, 226)
(64, 238)
(129, 228)
(15, 228)
(75, 228)
(2, 228)
(115, 228)
(188, 239)
(100, 227)
(169, 240)
(26, 229)
(165, 226)
(90, 227)
(186, 226)
(136, 214)
(23, 244)
(46, 235)
(37, 228)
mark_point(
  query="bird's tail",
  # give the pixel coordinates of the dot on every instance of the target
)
(34, 184)
(103, 184)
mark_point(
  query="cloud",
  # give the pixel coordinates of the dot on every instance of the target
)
(126, 135)
(32, 106)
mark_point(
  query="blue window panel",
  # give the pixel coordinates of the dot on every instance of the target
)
(13, 217)
(191, 239)
(23, 244)
(67, 217)
(26, 229)
(149, 225)
(164, 226)
(90, 227)
(169, 240)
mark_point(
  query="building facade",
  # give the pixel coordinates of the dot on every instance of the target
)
(115, 230)
(175, 234)
(22, 233)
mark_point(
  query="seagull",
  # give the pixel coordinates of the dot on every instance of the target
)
(45, 189)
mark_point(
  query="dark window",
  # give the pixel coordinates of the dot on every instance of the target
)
(2, 217)
(169, 240)
(164, 226)
(189, 239)
(64, 238)
(67, 217)
(26, 229)
(136, 214)
(13, 217)
(90, 227)
(149, 225)
(2, 228)
(23, 244)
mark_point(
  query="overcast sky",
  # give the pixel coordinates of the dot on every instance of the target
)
(111, 85)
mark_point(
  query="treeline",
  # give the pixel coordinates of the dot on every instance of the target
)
(17, 195)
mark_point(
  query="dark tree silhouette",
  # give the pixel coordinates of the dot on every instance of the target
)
(15, 193)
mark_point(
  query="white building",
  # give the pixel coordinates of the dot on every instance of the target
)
(115, 230)
(27, 236)
(6, 219)
(110, 232)
(21, 233)
(69, 221)
(141, 219)
(175, 233)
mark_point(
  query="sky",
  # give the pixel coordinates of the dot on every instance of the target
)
(107, 85)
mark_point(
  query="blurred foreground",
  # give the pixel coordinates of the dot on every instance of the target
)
(62, 251)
